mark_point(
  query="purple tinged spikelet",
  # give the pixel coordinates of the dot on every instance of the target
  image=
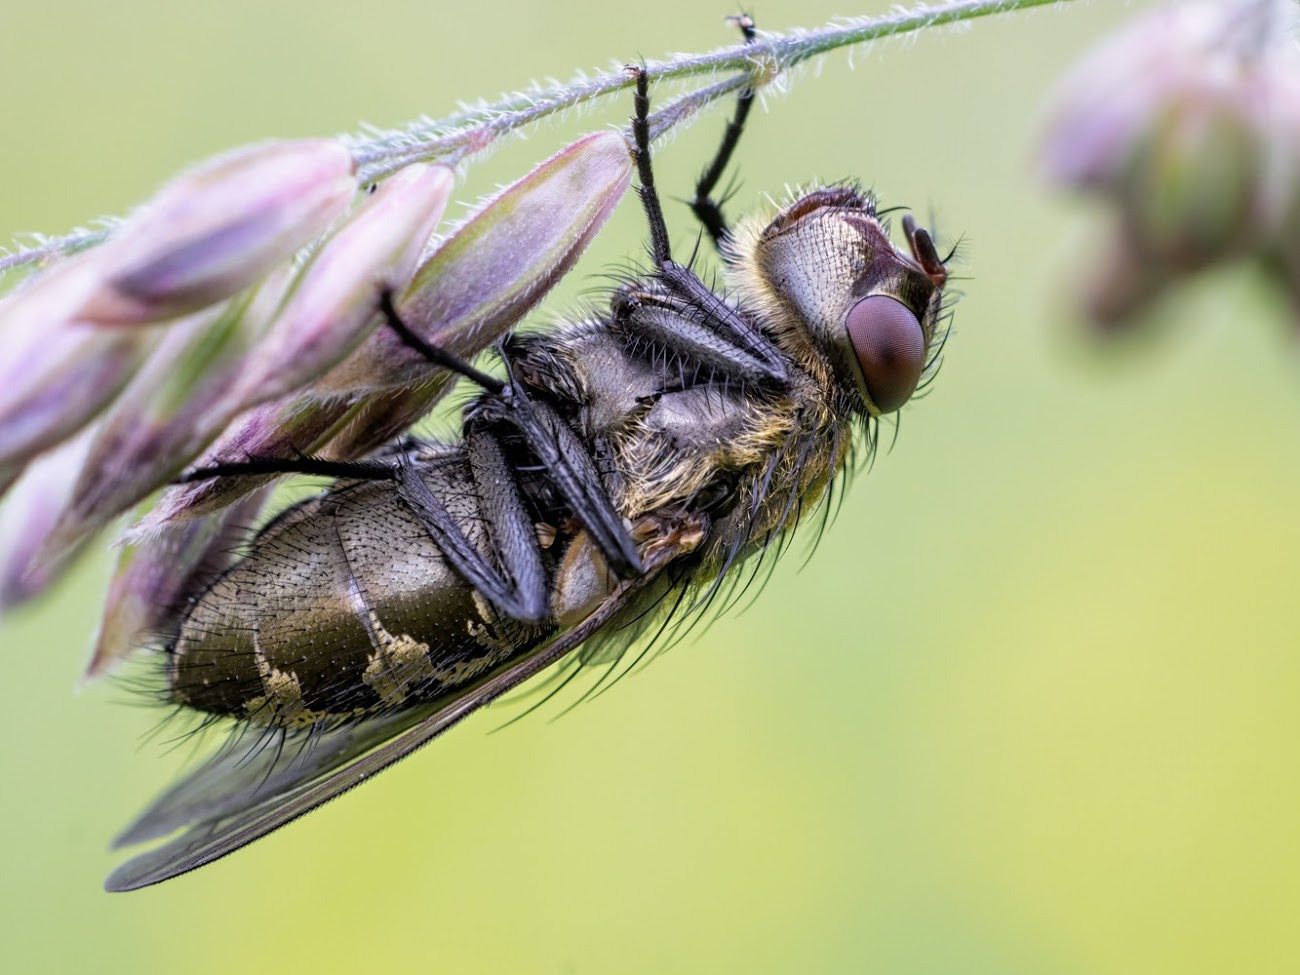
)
(333, 303)
(497, 265)
(170, 412)
(28, 514)
(382, 417)
(219, 228)
(57, 373)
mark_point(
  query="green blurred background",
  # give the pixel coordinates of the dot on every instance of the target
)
(1031, 708)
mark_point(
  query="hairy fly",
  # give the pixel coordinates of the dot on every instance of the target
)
(625, 467)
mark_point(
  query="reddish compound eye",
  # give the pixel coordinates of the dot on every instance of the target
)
(890, 347)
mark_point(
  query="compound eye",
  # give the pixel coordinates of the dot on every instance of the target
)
(890, 347)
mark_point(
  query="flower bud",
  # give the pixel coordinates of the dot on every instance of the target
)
(175, 406)
(333, 303)
(1102, 107)
(382, 417)
(1191, 201)
(57, 374)
(218, 228)
(27, 516)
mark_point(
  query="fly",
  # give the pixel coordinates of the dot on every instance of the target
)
(627, 465)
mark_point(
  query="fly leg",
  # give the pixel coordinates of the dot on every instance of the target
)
(518, 588)
(708, 335)
(571, 469)
(660, 249)
(516, 591)
(352, 470)
(558, 449)
(706, 209)
(676, 310)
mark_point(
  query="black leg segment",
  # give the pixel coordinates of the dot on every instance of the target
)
(514, 537)
(514, 592)
(360, 470)
(570, 469)
(437, 356)
(654, 213)
(704, 206)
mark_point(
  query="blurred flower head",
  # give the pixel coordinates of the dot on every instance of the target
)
(1187, 123)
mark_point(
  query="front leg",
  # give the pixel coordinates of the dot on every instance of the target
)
(660, 249)
(677, 311)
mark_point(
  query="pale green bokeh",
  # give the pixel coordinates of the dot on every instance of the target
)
(1031, 708)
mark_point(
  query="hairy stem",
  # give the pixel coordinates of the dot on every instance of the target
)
(761, 61)
(459, 136)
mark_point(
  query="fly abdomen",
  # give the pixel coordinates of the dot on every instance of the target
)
(344, 607)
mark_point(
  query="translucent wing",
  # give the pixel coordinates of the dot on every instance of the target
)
(254, 768)
(237, 797)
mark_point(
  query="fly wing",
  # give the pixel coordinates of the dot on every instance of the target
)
(234, 798)
(255, 767)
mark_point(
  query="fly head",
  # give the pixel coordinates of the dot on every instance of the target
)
(849, 296)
